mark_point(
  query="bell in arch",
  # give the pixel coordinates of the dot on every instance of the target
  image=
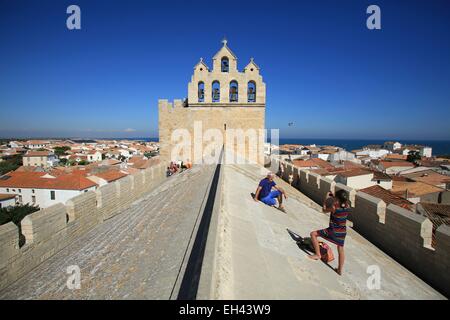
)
(225, 65)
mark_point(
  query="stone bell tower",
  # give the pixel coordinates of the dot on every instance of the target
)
(222, 99)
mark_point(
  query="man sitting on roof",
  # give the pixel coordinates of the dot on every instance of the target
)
(265, 194)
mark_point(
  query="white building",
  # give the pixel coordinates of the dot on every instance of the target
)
(372, 153)
(7, 200)
(320, 155)
(391, 145)
(15, 144)
(426, 151)
(36, 144)
(342, 155)
(356, 179)
(391, 167)
(94, 156)
(43, 189)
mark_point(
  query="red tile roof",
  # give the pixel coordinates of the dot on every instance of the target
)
(438, 214)
(111, 175)
(313, 162)
(394, 156)
(389, 164)
(388, 197)
(429, 176)
(354, 172)
(415, 188)
(36, 180)
(38, 154)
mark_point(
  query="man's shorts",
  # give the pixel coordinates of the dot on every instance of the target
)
(270, 198)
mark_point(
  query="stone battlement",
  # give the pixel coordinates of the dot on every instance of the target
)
(50, 230)
(403, 235)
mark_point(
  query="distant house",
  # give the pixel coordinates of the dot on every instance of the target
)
(430, 177)
(392, 145)
(426, 152)
(342, 155)
(391, 167)
(382, 179)
(356, 178)
(16, 144)
(44, 159)
(78, 157)
(415, 191)
(94, 156)
(36, 144)
(372, 151)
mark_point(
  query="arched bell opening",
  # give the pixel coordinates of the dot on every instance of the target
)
(251, 91)
(201, 91)
(234, 95)
(216, 91)
(224, 64)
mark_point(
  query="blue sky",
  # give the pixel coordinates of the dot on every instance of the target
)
(324, 70)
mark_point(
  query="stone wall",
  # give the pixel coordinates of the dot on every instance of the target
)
(402, 234)
(178, 124)
(49, 230)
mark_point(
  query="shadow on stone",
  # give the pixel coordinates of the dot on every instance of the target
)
(305, 244)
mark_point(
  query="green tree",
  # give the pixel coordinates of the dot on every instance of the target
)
(83, 163)
(61, 151)
(413, 156)
(10, 164)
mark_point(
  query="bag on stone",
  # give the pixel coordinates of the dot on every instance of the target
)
(326, 254)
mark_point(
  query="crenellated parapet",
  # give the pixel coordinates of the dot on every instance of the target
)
(50, 230)
(402, 234)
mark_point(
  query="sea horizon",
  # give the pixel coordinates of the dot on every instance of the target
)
(440, 147)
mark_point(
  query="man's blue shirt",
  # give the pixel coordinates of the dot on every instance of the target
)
(266, 186)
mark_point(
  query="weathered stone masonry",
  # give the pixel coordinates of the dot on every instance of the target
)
(236, 107)
(406, 237)
(49, 230)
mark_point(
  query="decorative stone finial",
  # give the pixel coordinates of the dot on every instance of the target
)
(201, 59)
(251, 59)
(224, 41)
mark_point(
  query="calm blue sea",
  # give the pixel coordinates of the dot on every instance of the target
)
(440, 147)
